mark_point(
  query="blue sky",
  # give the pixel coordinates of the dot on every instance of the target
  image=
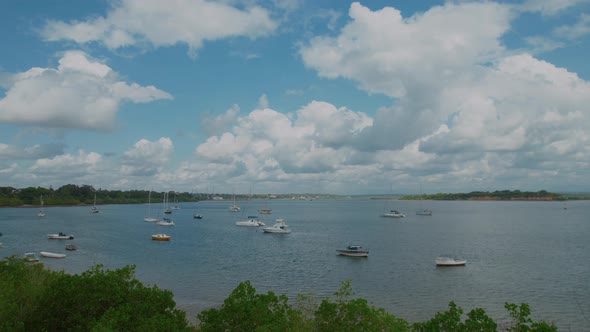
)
(296, 96)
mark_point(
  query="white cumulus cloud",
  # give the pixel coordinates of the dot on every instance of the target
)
(147, 158)
(80, 93)
(164, 23)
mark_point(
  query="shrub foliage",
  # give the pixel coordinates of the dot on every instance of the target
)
(33, 298)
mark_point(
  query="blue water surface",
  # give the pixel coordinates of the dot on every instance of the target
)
(533, 252)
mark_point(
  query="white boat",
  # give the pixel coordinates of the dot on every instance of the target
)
(52, 254)
(94, 209)
(30, 257)
(424, 212)
(234, 207)
(41, 212)
(60, 236)
(161, 237)
(353, 251)
(197, 216)
(266, 210)
(176, 206)
(447, 261)
(165, 222)
(280, 227)
(252, 221)
(149, 217)
(393, 214)
(167, 210)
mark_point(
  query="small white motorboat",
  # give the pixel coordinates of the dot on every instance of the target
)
(447, 261)
(280, 227)
(60, 236)
(393, 214)
(52, 254)
(197, 216)
(252, 221)
(165, 222)
(161, 237)
(353, 251)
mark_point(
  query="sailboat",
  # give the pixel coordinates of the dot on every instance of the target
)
(176, 206)
(266, 210)
(167, 210)
(149, 217)
(421, 211)
(392, 213)
(94, 209)
(234, 207)
(41, 213)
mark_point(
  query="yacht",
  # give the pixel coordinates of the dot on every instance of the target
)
(353, 251)
(280, 227)
(60, 236)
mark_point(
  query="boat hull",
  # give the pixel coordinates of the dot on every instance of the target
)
(60, 237)
(450, 262)
(352, 253)
(161, 237)
(52, 254)
(276, 231)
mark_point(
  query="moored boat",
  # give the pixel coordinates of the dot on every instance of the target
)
(161, 237)
(71, 247)
(52, 254)
(280, 227)
(425, 212)
(447, 261)
(197, 216)
(353, 251)
(252, 221)
(60, 236)
(166, 222)
(30, 257)
(393, 214)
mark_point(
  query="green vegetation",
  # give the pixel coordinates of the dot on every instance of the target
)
(503, 195)
(72, 194)
(36, 299)
(75, 195)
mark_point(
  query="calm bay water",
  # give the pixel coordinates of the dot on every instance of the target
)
(533, 252)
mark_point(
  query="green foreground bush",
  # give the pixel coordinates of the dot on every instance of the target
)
(33, 298)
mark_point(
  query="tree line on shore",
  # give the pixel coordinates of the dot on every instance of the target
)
(500, 195)
(33, 298)
(72, 194)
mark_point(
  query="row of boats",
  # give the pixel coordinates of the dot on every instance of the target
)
(280, 226)
(32, 257)
(359, 251)
(397, 214)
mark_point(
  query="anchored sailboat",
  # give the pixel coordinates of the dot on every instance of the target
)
(149, 217)
(41, 212)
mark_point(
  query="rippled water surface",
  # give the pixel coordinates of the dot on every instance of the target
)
(533, 252)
